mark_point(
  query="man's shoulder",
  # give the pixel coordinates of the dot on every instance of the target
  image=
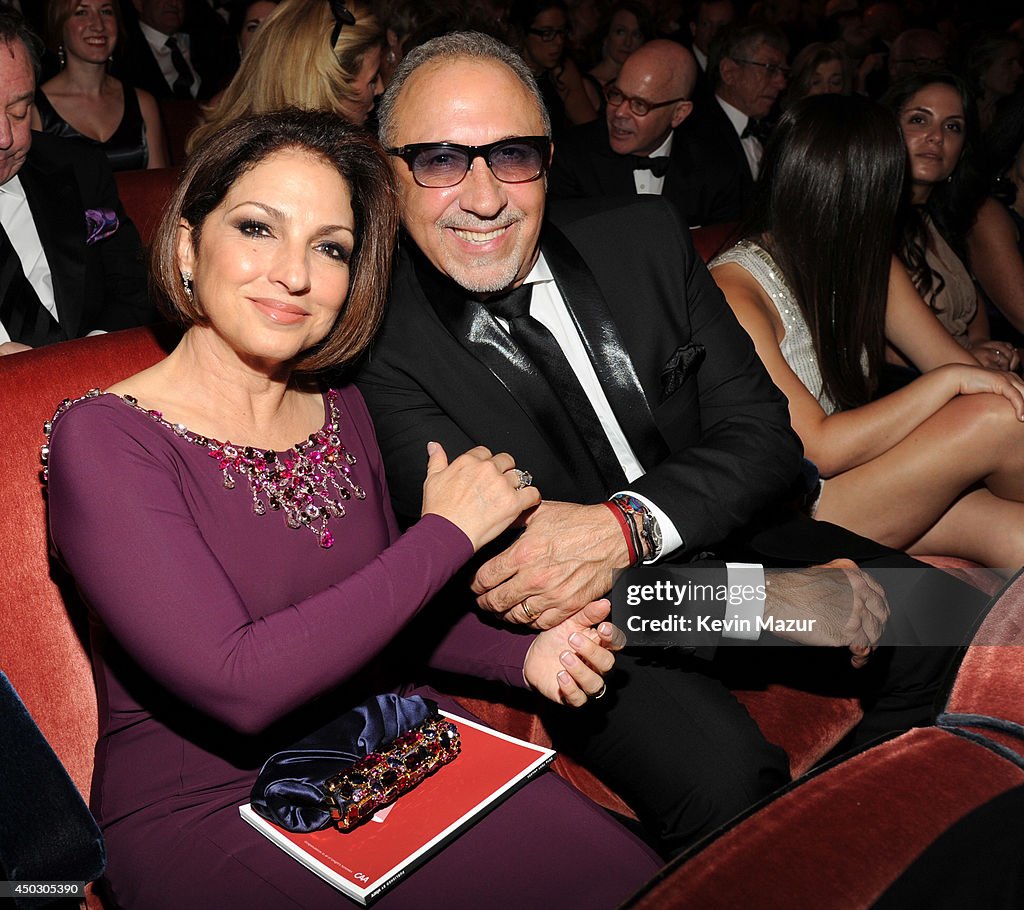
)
(614, 220)
(586, 139)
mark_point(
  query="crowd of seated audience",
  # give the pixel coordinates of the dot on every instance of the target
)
(866, 161)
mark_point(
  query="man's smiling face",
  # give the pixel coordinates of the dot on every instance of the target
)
(481, 233)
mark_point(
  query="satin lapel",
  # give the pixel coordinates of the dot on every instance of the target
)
(604, 346)
(482, 335)
(57, 211)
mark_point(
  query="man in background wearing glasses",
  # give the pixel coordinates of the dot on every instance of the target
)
(593, 345)
(748, 65)
(642, 146)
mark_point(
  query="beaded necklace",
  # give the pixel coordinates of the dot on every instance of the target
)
(308, 483)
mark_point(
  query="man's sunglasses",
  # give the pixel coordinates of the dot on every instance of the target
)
(444, 164)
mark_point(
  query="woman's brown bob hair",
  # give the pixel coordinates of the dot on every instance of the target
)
(237, 148)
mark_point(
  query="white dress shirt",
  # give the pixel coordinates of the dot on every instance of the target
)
(752, 147)
(16, 217)
(646, 182)
(548, 307)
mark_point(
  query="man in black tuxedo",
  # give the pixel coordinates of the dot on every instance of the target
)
(642, 145)
(667, 409)
(176, 49)
(709, 18)
(748, 68)
(71, 261)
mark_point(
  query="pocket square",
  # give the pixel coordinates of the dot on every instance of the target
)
(99, 224)
(683, 363)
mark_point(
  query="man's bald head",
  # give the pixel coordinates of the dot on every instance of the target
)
(657, 72)
(668, 64)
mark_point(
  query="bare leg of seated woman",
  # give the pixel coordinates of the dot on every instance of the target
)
(954, 486)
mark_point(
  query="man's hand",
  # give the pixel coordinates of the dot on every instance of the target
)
(567, 663)
(847, 605)
(568, 556)
(13, 347)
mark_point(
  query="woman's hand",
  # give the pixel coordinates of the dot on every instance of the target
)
(996, 355)
(567, 663)
(478, 492)
(978, 381)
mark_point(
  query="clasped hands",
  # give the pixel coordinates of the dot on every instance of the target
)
(570, 555)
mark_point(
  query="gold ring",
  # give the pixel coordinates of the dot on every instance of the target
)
(600, 692)
(530, 615)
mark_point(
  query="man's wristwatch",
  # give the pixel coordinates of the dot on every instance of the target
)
(650, 531)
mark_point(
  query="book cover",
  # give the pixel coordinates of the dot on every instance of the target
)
(365, 862)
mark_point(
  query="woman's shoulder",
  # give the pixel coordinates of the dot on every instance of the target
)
(743, 253)
(99, 422)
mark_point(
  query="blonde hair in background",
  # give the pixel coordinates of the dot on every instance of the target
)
(290, 63)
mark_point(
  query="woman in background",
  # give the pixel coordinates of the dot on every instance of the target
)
(332, 63)
(245, 19)
(84, 102)
(265, 588)
(995, 242)
(994, 68)
(938, 121)
(935, 467)
(818, 69)
(539, 29)
(627, 27)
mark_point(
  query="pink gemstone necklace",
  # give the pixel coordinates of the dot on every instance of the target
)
(309, 483)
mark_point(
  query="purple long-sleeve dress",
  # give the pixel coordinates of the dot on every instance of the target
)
(220, 636)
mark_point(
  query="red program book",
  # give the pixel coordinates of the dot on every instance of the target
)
(365, 862)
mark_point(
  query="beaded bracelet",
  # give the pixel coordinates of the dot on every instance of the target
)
(629, 531)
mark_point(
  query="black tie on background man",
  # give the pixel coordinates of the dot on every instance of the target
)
(697, 428)
(70, 259)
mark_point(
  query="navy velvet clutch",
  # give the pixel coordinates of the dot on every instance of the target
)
(296, 788)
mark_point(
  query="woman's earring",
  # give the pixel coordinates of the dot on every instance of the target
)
(62, 57)
(189, 287)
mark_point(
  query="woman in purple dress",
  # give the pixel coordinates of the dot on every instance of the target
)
(244, 592)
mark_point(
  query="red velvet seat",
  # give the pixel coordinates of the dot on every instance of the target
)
(838, 839)
(144, 194)
(180, 117)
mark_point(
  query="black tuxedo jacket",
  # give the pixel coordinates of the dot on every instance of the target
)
(214, 54)
(711, 130)
(710, 429)
(101, 285)
(702, 187)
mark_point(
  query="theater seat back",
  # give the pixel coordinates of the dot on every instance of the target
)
(42, 643)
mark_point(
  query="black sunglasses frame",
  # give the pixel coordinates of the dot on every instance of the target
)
(408, 153)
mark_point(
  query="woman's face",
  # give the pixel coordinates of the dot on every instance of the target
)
(367, 85)
(271, 271)
(932, 121)
(624, 36)
(90, 32)
(255, 13)
(541, 54)
(827, 79)
(1003, 74)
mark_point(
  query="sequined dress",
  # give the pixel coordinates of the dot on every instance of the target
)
(796, 345)
(220, 636)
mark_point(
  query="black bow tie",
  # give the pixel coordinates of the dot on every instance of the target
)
(657, 166)
(756, 128)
